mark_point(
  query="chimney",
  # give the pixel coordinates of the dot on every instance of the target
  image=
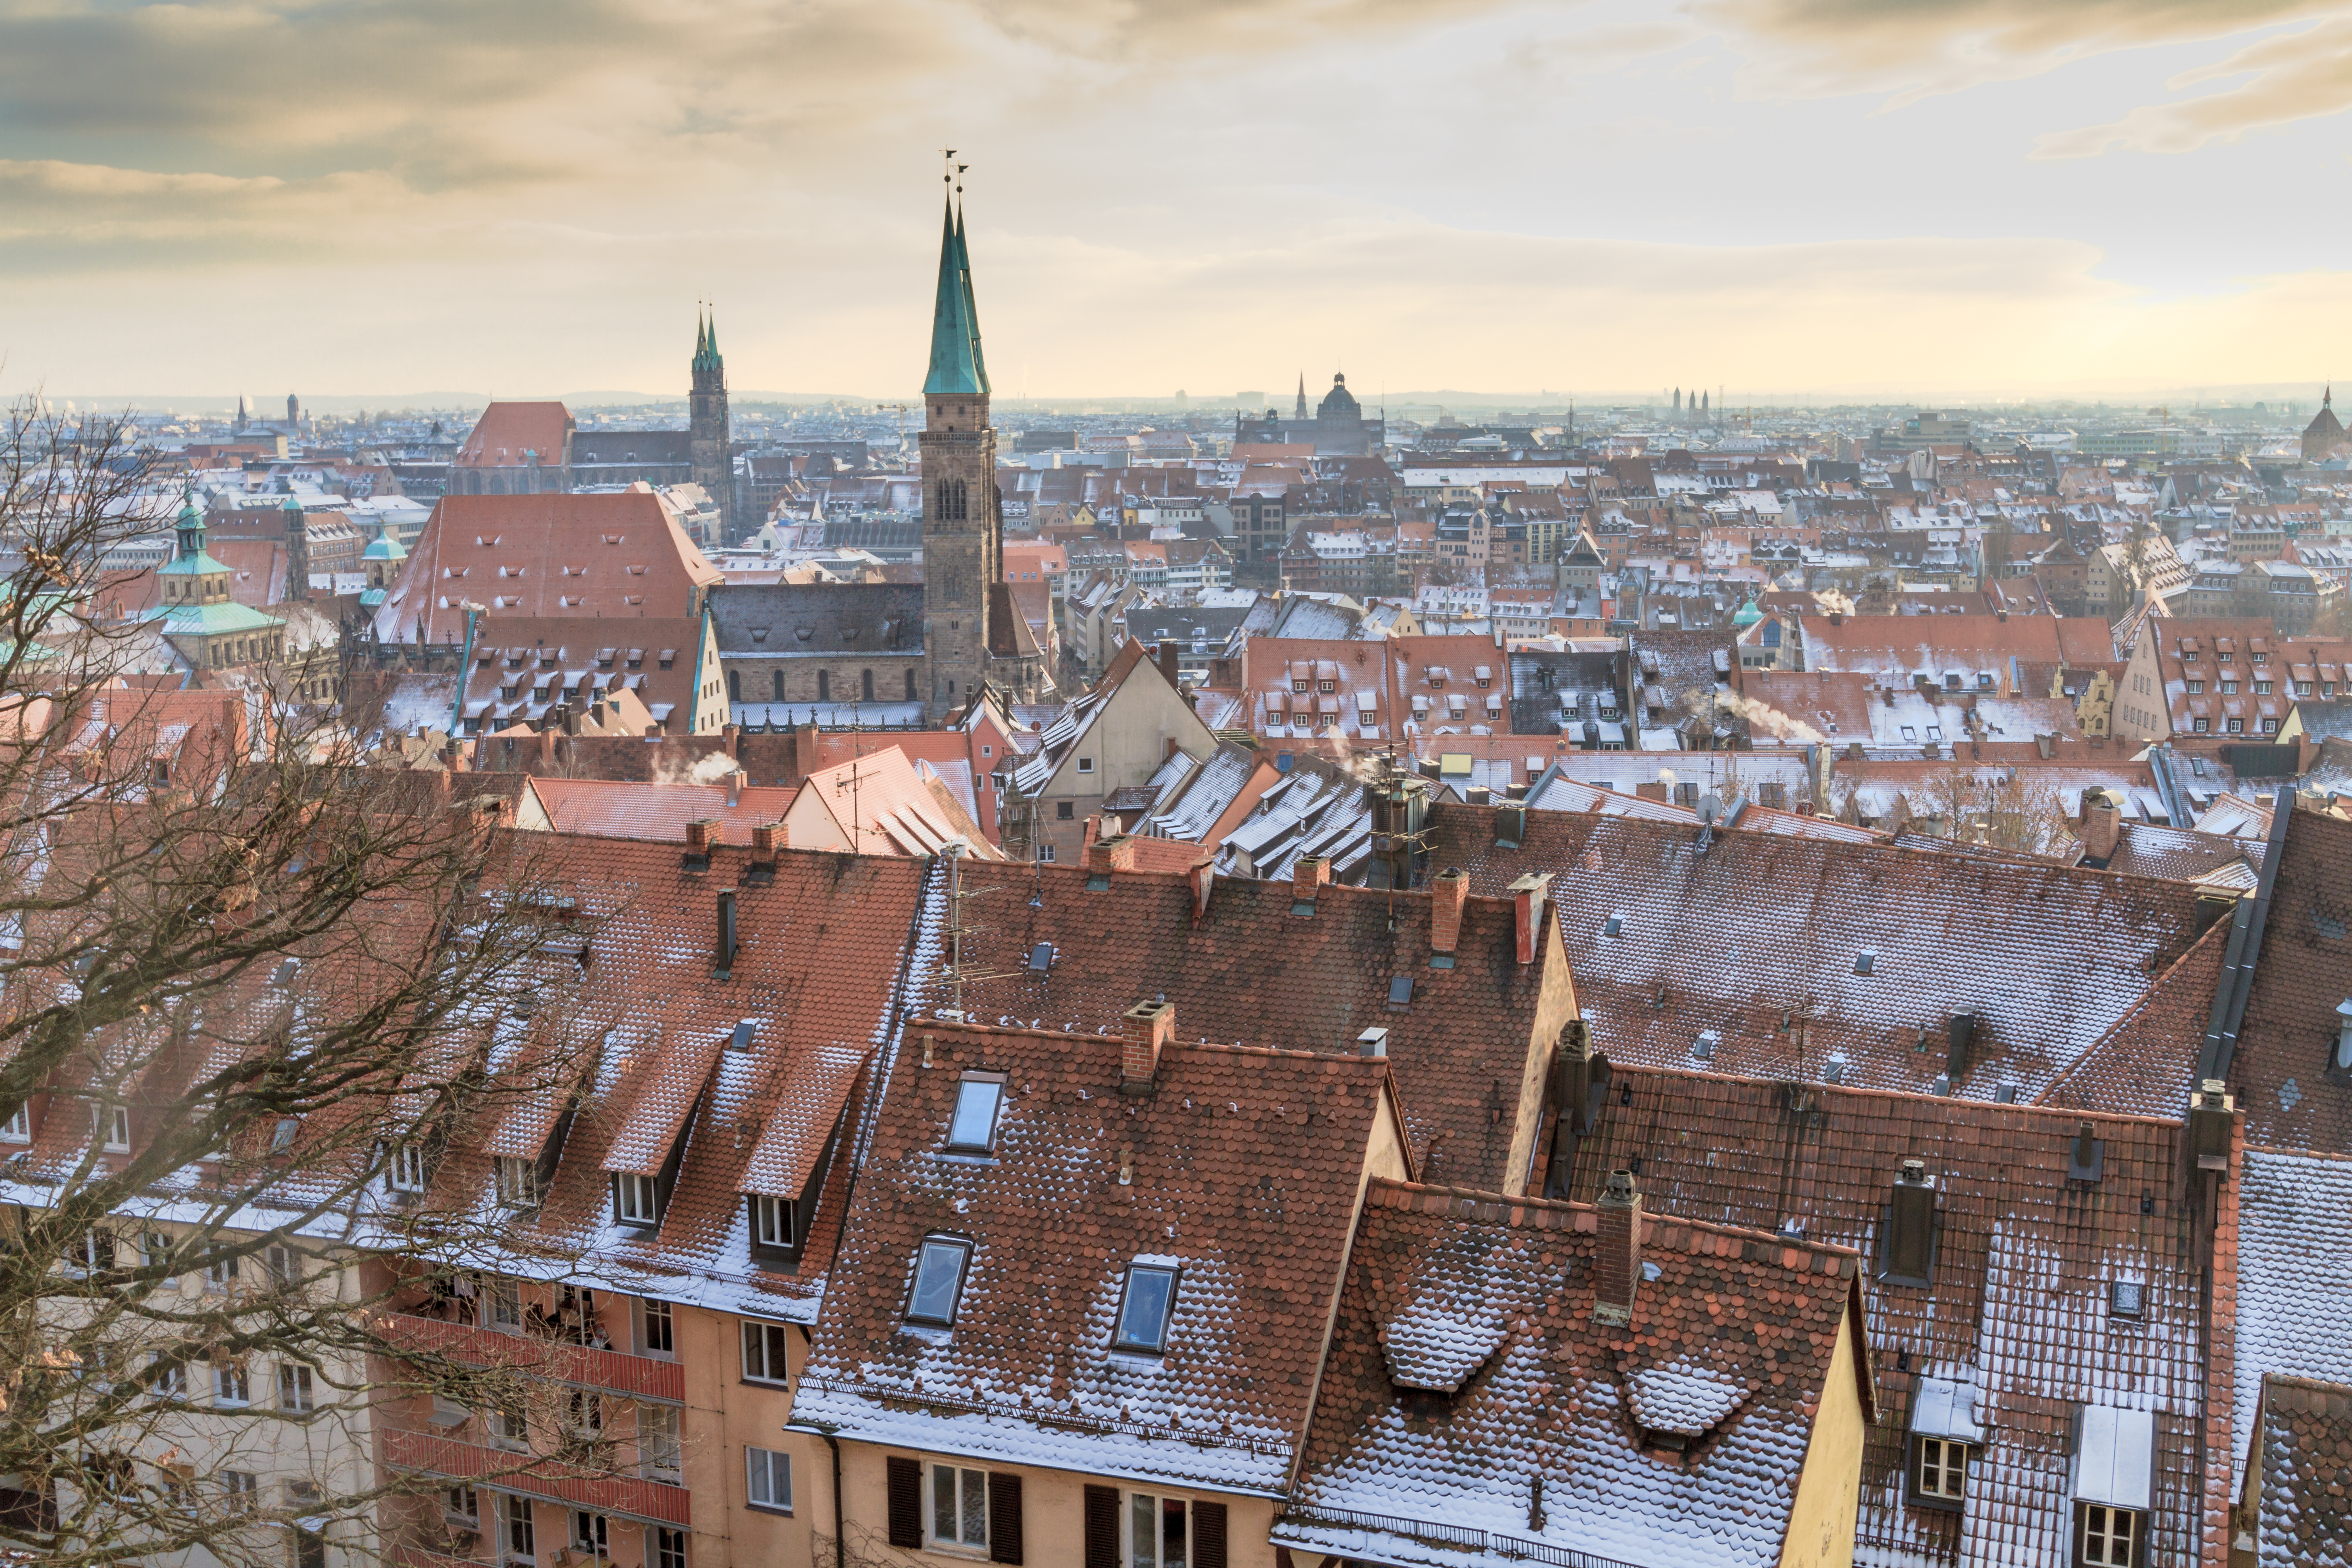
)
(1204, 877)
(726, 953)
(1909, 1252)
(2212, 1113)
(1308, 873)
(700, 834)
(547, 751)
(1960, 1044)
(1511, 825)
(1837, 617)
(1374, 1041)
(769, 838)
(1145, 1030)
(1167, 660)
(1113, 852)
(1479, 795)
(1617, 1260)
(735, 789)
(2102, 826)
(1651, 789)
(1449, 890)
(1527, 909)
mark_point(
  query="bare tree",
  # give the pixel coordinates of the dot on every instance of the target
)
(247, 994)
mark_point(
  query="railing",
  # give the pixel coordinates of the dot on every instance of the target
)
(585, 1366)
(556, 1480)
(1457, 1537)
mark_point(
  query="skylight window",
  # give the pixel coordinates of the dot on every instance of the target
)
(939, 1281)
(974, 1128)
(1143, 1314)
(1865, 961)
(2124, 1298)
(1041, 959)
(1399, 990)
(1613, 926)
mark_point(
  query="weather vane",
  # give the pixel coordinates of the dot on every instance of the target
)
(953, 170)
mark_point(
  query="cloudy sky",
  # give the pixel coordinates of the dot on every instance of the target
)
(1931, 197)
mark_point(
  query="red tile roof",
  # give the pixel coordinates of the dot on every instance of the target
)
(660, 813)
(2287, 1091)
(1242, 1169)
(2018, 1300)
(1764, 932)
(2304, 1516)
(1250, 969)
(508, 433)
(1731, 1345)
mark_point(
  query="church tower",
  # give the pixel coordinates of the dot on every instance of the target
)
(710, 458)
(973, 631)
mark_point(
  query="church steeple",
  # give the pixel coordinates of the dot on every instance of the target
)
(708, 366)
(1301, 413)
(957, 367)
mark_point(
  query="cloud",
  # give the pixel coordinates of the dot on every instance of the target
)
(1914, 47)
(2293, 76)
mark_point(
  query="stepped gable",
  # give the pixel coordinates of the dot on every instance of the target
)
(1762, 932)
(2018, 1307)
(1729, 1354)
(1470, 1043)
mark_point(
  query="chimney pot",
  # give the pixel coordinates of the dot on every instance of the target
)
(1617, 1260)
(1145, 1030)
(1449, 891)
(1113, 851)
(1374, 1041)
(1527, 909)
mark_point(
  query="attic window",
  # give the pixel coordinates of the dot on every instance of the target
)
(1613, 926)
(1041, 959)
(1143, 1310)
(974, 1128)
(1704, 1046)
(2124, 1298)
(1401, 990)
(939, 1280)
(744, 1033)
(1865, 960)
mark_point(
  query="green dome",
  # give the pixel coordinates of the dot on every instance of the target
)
(1747, 616)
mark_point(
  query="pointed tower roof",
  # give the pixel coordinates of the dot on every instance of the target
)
(705, 340)
(191, 558)
(387, 544)
(1302, 395)
(956, 362)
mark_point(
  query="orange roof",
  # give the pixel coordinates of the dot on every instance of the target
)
(605, 809)
(882, 804)
(508, 433)
(576, 557)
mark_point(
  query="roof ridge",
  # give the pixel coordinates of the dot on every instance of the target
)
(933, 1021)
(1866, 1091)
(1553, 1214)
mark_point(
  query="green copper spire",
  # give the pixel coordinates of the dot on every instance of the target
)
(190, 558)
(705, 340)
(956, 362)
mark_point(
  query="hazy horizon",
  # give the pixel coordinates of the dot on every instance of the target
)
(1952, 200)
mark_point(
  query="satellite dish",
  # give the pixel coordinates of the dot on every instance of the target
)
(1710, 810)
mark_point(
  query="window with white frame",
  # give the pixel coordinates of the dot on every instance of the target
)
(517, 1181)
(591, 1533)
(461, 1505)
(220, 1268)
(167, 1376)
(772, 1221)
(114, 1129)
(405, 1173)
(658, 1336)
(764, 1353)
(294, 1388)
(283, 1268)
(505, 1297)
(2110, 1537)
(637, 1199)
(960, 1507)
(18, 1127)
(768, 1480)
(230, 1384)
(517, 1538)
(240, 1491)
(1943, 1469)
(657, 1441)
(1159, 1531)
(669, 1548)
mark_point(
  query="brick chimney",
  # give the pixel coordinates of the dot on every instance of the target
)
(1145, 1030)
(547, 751)
(700, 835)
(1617, 1260)
(769, 838)
(1449, 890)
(1167, 659)
(1527, 911)
(2102, 826)
(1308, 873)
(1115, 853)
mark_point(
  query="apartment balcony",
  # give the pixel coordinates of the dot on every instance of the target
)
(553, 1480)
(581, 1366)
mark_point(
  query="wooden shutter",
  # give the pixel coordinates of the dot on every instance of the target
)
(1207, 1535)
(906, 1502)
(1102, 1527)
(1003, 1518)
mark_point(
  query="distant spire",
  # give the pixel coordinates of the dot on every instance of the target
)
(956, 363)
(1302, 395)
(2328, 396)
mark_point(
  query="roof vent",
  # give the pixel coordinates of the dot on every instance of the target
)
(724, 967)
(1374, 1041)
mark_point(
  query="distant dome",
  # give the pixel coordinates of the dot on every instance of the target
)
(1747, 616)
(1338, 402)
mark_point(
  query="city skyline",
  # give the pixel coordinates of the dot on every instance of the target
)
(1971, 200)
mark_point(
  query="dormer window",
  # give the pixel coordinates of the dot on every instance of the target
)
(637, 1199)
(940, 1266)
(18, 1127)
(406, 1171)
(113, 1127)
(1144, 1309)
(973, 1130)
(517, 1181)
(1941, 1472)
(773, 1223)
